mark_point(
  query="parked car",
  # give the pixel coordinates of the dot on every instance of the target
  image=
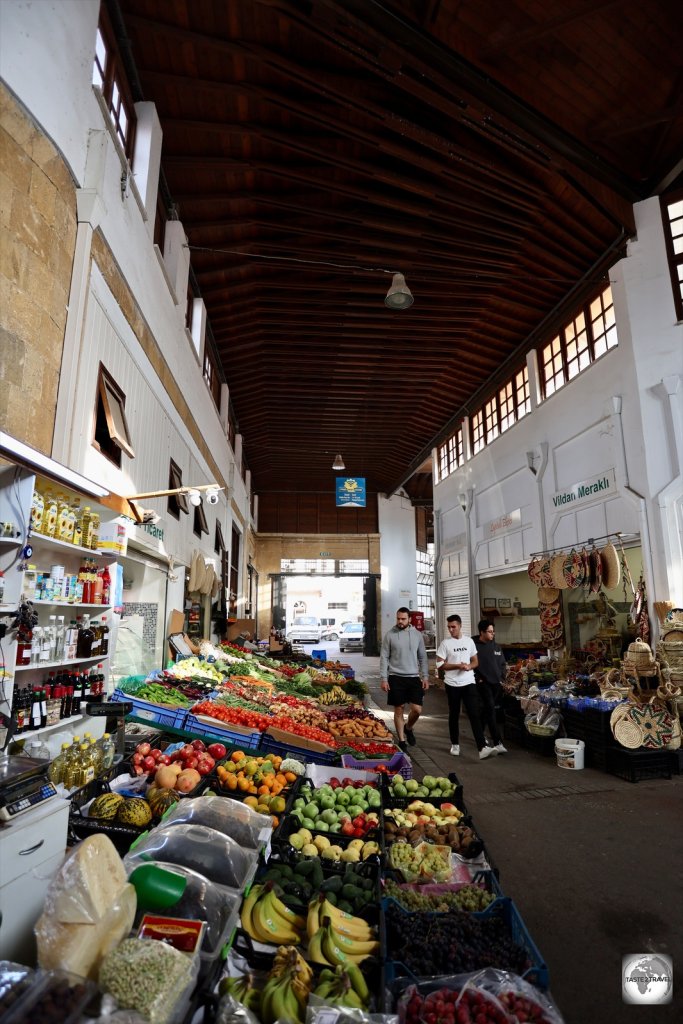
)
(330, 633)
(352, 637)
(304, 629)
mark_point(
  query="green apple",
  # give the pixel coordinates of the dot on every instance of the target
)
(321, 826)
(299, 803)
(411, 785)
(350, 791)
(298, 816)
(422, 792)
(329, 816)
(336, 827)
(429, 781)
(400, 790)
(354, 810)
(311, 811)
(343, 798)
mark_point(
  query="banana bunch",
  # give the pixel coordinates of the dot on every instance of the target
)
(266, 918)
(335, 937)
(335, 695)
(343, 986)
(286, 991)
(242, 989)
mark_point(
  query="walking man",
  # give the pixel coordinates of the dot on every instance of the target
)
(457, 656)
(404, 671)
(489, 674)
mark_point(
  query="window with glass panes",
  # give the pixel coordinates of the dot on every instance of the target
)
(108, 75)
(672, 210)
(502, 410)
(589, 334)
(478, 435)
(424, 574)
(450, 454)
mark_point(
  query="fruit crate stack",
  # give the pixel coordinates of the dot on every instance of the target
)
(639, 765)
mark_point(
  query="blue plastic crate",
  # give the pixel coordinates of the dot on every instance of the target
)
(537, 971)
(175, 718)
(273, 746)
(348, 673)
(200, 727)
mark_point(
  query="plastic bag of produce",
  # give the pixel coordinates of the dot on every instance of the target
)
(449, 998)
(150, 977)
(522, 1000)
(212, 854)
(89, 907)
(231, 817)
(318, 1012)
(231, 1011)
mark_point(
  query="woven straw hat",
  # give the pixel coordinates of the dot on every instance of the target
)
(573, 570)
(655, 724)
(548, 595)
(611, 570)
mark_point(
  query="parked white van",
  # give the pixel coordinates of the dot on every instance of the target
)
(305, 629)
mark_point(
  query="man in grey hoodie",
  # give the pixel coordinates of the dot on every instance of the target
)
(404, 671)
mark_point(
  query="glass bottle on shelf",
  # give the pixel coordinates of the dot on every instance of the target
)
(59, 639)
(104, 646)
(18, 710)
(65, 519)
(106, 585)
(35, 710)
(37, 750)
(52, 637)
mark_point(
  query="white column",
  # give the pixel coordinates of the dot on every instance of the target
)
(177, 260)
(147, 159)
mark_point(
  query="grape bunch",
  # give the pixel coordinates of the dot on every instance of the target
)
(471, 898)
(454, 942)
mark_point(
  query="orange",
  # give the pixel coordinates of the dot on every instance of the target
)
(275, 820)
(237, 755)
(243, 785)
(251, 801)
(291, 776)
(263, 790)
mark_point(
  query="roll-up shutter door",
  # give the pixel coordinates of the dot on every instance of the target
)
(455, 600)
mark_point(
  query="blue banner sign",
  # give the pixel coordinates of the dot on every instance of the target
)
(351, 491)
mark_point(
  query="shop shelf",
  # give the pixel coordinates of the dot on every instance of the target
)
(639, 765)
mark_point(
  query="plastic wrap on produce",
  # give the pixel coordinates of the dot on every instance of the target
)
(231, 1011)
(506, 996)
(320, 1012)
(230, 817)
(212, 854)
(150, 977)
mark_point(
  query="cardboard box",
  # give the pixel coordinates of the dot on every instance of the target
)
(113, 537)
(292, 739)
(319, 774)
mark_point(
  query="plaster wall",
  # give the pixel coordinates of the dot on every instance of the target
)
(398, 584)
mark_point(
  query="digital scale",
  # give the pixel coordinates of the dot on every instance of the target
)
(23, 785)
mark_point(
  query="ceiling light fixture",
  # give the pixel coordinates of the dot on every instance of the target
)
(399, 295)
(338, 463)
(23, 454)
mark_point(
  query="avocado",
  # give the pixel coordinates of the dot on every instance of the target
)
(332, 884)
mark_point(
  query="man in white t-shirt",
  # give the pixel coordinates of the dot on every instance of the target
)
(457, 658)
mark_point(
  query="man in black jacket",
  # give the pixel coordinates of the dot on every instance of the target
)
(489, 674)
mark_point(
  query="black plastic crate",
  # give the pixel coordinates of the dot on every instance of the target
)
(676, 761)
(574, 723)
(514, 731)
(288, 825)
(543, 745)
(81, 826)
(596, 757)
(639, 765)
(401, 802)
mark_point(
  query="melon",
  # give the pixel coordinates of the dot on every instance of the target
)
(105, 807)
(161, 799)
(134, 811)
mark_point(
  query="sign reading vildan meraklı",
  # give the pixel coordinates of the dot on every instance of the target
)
(601, 486)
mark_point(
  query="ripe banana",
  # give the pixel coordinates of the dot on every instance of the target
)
(315, 954)
(282, 912)
(284, 1004)
(248, 906)
(289, 958)
(346, 924)
(353, 946)
(335, 952)
(313, 918)
(270, 928)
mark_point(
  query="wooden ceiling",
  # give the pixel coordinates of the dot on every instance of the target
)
(491, 152)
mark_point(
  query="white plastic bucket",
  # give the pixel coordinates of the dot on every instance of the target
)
(569, 754)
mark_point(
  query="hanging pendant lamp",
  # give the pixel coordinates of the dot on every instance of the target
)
(399, 295)
(338, 463)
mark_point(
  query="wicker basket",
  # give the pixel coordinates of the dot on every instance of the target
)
(639, 658)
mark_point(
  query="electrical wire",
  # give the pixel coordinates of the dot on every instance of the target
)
(292, 259)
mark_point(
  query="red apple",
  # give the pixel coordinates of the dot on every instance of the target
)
(347, 829)
(187, 750)
(155, 753)
(149, 764)
(335, 782)
(164, 759)
(137, 758)
(143, 748)
(191, 762)
(198, 745)
(217, 751)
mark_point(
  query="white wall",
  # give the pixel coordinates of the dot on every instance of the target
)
(622, 414)
(397, 553)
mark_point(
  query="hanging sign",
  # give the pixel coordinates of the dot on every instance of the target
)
(350, 492)
(503, 524)
(602, 486)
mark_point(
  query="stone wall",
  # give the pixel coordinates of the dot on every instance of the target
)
(38, 229)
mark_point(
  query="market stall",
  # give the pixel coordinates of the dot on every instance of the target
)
(232, 865)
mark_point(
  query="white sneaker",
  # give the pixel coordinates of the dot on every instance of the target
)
(487, 752)
(500, 749)
(455, 750)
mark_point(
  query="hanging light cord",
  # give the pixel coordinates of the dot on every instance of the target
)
(291, 259)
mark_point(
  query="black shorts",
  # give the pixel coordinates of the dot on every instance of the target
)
(404, 690)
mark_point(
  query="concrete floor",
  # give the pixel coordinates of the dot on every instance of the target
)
(593, 863)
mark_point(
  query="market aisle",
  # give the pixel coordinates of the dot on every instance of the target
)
(592, 862)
